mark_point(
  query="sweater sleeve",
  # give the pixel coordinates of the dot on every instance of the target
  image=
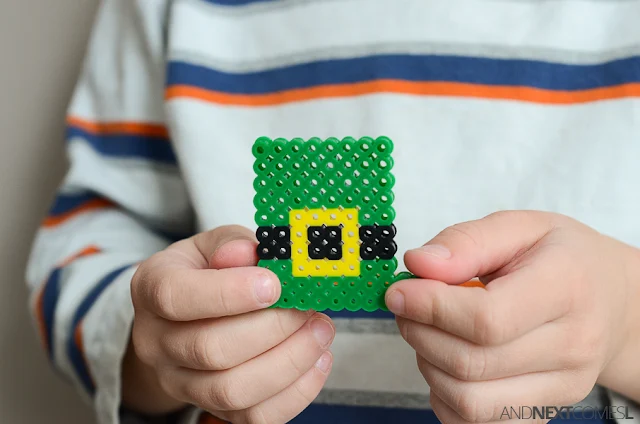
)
(121, 200)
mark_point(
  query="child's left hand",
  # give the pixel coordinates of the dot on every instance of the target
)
(553, 320)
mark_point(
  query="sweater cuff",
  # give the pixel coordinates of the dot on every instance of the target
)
(108, 326)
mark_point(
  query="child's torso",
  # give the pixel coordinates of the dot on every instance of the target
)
(491, 105)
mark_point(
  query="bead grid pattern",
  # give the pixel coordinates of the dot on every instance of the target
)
(325, 220)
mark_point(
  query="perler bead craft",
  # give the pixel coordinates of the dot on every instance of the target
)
(325, 220)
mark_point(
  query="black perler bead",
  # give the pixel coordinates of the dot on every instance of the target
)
(274, 242)
(377, 242)
(325, 242)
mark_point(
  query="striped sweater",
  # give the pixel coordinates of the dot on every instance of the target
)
(496, 104)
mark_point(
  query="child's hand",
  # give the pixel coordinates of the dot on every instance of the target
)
(202, 331)
(553, 319)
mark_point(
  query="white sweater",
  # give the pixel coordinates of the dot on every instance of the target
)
(492, 105)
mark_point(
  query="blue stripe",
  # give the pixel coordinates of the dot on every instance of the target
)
(360, 314)
(73, 351)
(67, 202)
(157, 149)
(237, 2)
(338, 414)
(473, 70)
(49, 302)
(578, 419)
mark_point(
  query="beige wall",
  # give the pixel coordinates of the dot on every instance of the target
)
(41, 45)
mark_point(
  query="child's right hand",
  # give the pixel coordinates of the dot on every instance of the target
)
(202, 333)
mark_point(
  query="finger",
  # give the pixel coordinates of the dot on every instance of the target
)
(183, 294)
(468, 361)
(198, 252)
(447, 415)
(506, 309)
(224, 343)
(485, 401)
(235, 253)
(210, 241)
(290, 402)
(443, 412)
(477, 248)
(260, 378)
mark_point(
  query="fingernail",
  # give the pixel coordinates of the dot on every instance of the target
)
(395, 302)
(324, 362)
(265, 288)
(322, 331)
(436, 250)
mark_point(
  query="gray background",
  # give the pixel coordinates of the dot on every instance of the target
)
(41, 47)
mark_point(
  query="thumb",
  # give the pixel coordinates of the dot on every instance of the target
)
(478, 248)
(228, 246)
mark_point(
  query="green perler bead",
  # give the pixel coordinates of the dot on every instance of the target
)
(325, 220)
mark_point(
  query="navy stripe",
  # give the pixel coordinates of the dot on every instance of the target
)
(158, 149)
(236, 2)
(338, 414)
(67, 202)
(360, 314)
(73, 351)
(473, 70)
(50, 297)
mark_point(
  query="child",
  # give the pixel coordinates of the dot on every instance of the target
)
(528, 106)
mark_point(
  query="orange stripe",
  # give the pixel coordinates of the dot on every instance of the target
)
(87, 251)
(42, 326)
(451, 89)
(91, 205)
(39, 306)
(473, 283)
(111, 128)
